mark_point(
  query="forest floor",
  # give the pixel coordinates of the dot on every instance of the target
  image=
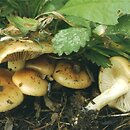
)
(62, 109)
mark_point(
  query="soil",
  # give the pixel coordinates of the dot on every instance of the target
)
(63, 109)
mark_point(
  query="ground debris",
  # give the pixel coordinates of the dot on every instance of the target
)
(68, 114)
(8, 124)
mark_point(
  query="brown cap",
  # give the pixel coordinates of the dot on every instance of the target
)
(22, 50)
(30, 82)
(43, 64)
(10, 94)
(67, 76)
(46, 47)
(17, 52)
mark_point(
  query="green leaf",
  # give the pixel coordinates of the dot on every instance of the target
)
(22, 8)
(54, 5)
(101, 11)
(123, 27)
(100, 51)
(97, 58)
(34, 7)
(70, 40)
(24, 24)
(78, 21)
(119, 43)
(4, 11)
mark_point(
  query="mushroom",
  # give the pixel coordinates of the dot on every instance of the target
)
(30, 82)
(114, 84)
(43, 64)
(16, 52)
(66, 74)
(10, 94)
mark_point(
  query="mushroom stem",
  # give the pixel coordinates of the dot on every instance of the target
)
(16, 65)
(119, 88)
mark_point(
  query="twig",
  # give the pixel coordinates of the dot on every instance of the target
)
(116, 115)
(120, 126)
(60, 115)
(42, 127)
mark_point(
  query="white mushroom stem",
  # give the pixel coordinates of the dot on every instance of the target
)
(119, 88)
(16, 65)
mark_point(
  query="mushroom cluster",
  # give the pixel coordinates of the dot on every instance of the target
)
(31, 70)
(17, 52)
(114, 84)
(31, 79)
(20, 80)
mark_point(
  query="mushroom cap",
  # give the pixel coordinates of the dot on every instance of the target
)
(22, 50)
(42, 64)
(46, 47)
(68, 77)
(10, 94)
(107, 77)
(30, 82)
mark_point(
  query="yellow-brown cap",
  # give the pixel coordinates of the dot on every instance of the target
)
(30, 82)
(19, 50)
(10, 94)
(43, 64)
(22, 50)
(67, 76)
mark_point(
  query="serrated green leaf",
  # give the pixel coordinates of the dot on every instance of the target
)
(119, 43)
(101, 11)
(97, 58)
(123, 27)
(70, 40)
(24, 24)
(100, 51)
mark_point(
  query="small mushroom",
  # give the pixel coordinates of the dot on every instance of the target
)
(17, 52)
(30, 82)
(10, 94)
(43, 64)
(114, 84)
(71, 76)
